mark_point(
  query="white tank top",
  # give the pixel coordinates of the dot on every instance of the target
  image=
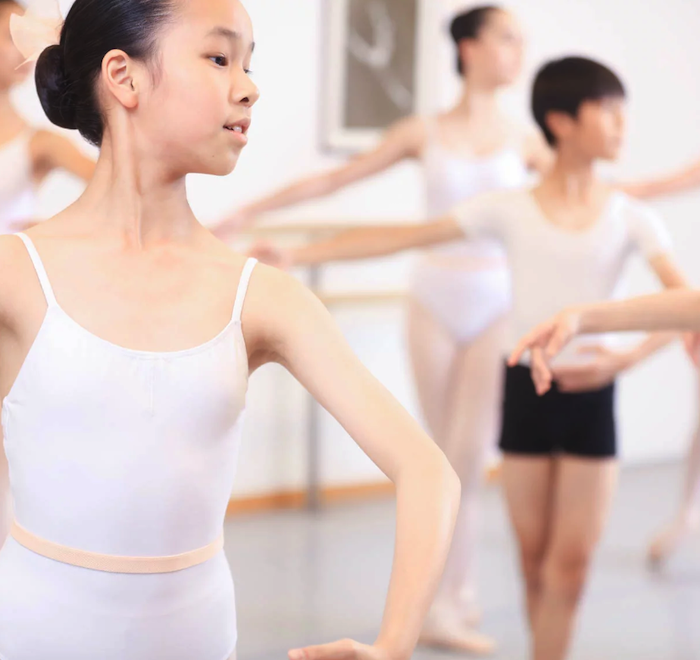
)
(17, 194)
(123, 452)
(452, 178)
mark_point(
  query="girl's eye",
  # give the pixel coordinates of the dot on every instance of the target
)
(219, 60)
(248, 72)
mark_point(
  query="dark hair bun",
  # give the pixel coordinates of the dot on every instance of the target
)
(53, 88)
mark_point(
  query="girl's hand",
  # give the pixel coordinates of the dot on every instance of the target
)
(346, 649)
(550, 337)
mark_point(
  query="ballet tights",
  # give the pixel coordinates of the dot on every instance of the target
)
(460, 392)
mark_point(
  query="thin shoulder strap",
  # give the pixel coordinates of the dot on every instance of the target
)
(40, 270)
(243, 288)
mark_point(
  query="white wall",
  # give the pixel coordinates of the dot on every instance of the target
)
(653, 44)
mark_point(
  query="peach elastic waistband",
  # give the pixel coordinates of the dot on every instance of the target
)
(114, 563)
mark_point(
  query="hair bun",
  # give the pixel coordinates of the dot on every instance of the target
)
(53, 87)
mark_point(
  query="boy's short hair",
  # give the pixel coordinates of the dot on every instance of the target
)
(563, 85)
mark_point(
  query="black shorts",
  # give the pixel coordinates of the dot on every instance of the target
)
(580, 424)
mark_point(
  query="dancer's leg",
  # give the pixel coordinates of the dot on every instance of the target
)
(459, 391)
(528, 484)
(432, 351)
(582, 497)
(471, 424)
(688, 516)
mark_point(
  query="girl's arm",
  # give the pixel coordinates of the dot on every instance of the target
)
(671, 310)
(360, 244)
(548, 339)
(483, 215)
(51, 151)
(376, 242)
(681, 181)
(285, 323)
(404, 140)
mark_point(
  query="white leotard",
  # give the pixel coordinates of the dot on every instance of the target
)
(464, 284)
(553, 268)
(451, 178)
(121, 452)
(17, 194)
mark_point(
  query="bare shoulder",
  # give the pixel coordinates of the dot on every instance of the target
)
(16, 276)
(411, 132)
(536, 153)
(273, 295)
(278, 311)
(276, 296)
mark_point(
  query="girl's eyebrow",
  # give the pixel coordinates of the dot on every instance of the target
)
(229, 34)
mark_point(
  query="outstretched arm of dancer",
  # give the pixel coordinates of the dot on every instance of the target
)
(645, 313)
(403, 140)
(361, 243)
(686, 179)
(51, 151)
(669, 310)
(480, 216)
(302, 336)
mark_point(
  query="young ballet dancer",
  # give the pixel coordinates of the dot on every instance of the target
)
(127, 335)
(27, 156)
(459, 293)
(567, 240)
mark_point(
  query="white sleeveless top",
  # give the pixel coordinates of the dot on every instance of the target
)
(452, 178)
(121, 452)
(17, 194)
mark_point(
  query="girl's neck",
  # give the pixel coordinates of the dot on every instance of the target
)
(134, 198)
(477, 102)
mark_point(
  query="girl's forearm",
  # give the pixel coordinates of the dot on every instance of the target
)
(425, 522)
(375, 242)
(677, 310)
(303, 191)
(679, 182)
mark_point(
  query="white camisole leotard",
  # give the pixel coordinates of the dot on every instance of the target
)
(465, 285)
(17, 194)
(122, 452)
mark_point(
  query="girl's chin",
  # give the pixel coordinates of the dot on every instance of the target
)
(223, 168)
